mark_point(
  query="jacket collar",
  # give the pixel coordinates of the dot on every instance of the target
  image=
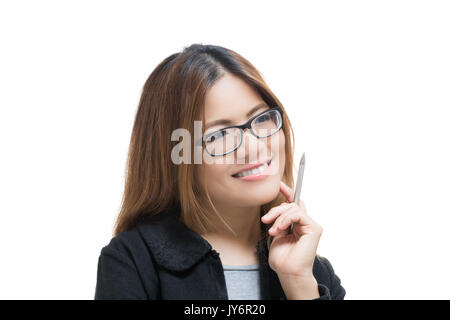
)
(174, 246)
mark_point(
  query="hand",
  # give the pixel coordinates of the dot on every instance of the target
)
(291, 255)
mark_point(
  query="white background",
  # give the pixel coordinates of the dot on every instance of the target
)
(366, 84)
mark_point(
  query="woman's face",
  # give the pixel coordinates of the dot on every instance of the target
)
(230, 98)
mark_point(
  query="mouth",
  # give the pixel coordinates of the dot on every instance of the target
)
(261, 170)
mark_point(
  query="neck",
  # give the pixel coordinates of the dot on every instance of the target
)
(245, 221)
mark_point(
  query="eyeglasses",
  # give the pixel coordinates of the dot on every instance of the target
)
(227, 140)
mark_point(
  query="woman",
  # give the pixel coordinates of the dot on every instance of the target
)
(198, 228)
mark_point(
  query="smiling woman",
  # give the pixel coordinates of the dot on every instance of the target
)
(181, 223)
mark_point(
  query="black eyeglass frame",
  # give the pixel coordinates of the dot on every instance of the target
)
(244, 126)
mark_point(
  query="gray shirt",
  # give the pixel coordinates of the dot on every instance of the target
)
(242, 282)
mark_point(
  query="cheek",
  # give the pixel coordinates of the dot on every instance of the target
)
(212, 173)
(278, 149)
(282, 153)
(282, 149)
(281, 141)
(277, 144)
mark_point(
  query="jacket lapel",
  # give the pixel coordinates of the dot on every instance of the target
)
(174, 246)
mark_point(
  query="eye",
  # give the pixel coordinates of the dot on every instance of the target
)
(215, 136)
(264, 118)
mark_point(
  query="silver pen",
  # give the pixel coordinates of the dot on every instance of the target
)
(298, 185)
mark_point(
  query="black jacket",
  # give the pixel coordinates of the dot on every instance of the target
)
(161, 258)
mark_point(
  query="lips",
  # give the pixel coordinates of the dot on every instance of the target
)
(252, 166)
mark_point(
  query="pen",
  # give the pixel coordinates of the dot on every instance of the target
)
(298, 185)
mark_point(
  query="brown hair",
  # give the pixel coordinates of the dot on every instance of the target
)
(173, 97)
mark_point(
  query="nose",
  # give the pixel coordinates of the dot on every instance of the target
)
(252, 149)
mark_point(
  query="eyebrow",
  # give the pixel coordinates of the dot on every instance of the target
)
(229, 122)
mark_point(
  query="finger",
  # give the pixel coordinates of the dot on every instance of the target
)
(276, 212)
(278, 233)
(287, 191)
(293, 215)
(296, 218)
(278, 225)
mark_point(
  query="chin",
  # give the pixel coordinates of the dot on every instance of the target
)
(261, 192)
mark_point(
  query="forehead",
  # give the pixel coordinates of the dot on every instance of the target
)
(229, 98)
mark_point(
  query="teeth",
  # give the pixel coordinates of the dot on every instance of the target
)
(253, 171)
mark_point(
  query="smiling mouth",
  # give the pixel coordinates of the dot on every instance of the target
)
(257, 170)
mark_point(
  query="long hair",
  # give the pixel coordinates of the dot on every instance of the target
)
(173, 97)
